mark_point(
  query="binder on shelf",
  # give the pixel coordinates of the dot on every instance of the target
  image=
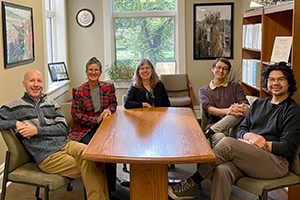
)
(244, 71)
(256, 66)
(252, 36)
(251, 72)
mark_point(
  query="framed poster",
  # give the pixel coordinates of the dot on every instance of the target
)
(58, 71)
(18, 37)
(213, 31)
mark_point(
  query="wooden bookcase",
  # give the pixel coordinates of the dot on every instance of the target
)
(279, 20)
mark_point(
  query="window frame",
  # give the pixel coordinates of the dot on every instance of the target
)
(49, 14)
(145, 14)
(59, 53)
(179, 32)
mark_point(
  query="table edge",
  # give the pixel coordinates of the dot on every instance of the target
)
(172, 160)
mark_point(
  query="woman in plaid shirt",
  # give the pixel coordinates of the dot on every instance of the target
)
(92, 102)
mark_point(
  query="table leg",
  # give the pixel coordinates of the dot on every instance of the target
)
(293, 193)
(148, 181)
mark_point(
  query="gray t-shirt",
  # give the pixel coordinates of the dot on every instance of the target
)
(96, 101)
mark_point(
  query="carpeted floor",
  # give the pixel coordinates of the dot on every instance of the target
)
(24, 192)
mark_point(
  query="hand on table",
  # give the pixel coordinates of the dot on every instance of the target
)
(104, 114)
(146, 105)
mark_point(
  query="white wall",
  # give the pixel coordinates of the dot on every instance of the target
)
(83, 43)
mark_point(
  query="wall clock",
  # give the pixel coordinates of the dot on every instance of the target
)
(85, 18)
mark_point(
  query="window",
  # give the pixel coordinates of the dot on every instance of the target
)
(49, 15)
(55, 34)
(145, 29)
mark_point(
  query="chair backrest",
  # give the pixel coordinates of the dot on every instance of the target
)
(19, 155)
(123, 99)
(295, 162)
(176, 84)
(66, 111)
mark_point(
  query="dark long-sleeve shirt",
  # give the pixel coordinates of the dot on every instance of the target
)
(135, 97)
(276, 123)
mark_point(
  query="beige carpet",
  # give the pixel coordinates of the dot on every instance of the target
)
(24, 192)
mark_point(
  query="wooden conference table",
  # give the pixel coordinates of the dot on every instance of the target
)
(149, 139)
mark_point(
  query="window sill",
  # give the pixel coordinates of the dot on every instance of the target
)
(56, 89)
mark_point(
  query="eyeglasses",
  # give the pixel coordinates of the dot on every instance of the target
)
(224, 68)
(279, 79)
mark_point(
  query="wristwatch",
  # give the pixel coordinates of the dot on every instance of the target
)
(85, 18)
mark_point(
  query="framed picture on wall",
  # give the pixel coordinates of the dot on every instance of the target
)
(58, 71)
(213, 30)
(18, 40)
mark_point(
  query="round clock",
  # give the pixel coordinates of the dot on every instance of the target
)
(85, 17)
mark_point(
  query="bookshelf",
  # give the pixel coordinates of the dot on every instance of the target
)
(279, 20)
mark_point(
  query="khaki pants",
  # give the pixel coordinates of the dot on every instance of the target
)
(67, 162)
(224, 127)
(236, 158)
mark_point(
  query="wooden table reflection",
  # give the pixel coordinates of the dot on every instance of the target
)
(149, 139)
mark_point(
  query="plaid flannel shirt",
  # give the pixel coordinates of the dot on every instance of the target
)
(83, 108)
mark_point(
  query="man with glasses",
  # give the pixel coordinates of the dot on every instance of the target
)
(268, 135)
(224, 102)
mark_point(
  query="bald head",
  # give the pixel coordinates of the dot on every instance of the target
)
(33, 83)
(32, 71)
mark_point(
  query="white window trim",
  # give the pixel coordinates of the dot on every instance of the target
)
(145, 14)
(179, 15)
(180, 47)
(59, 48)
(108, 25)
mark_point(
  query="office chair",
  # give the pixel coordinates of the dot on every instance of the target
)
(20, 168)
(180, 91)
(261, 187)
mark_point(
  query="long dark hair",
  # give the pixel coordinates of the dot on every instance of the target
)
(137, 80)
(286, 70)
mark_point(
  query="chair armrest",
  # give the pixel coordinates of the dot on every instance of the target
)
(204, 120)
(191, 96)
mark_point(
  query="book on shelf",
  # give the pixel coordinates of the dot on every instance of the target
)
(251, 72)
(252, 36)
(281, 49)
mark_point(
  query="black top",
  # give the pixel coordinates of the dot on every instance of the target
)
(278, 123)
(156, 97)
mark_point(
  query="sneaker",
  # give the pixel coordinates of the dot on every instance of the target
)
(186, 189)
(209, 132)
